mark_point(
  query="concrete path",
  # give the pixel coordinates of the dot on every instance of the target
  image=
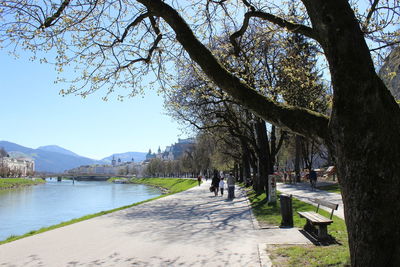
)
(191, 228)
(302, 191)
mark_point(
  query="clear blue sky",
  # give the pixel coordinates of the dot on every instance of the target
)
(33, 114)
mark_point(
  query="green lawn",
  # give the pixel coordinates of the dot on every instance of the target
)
(173, 185)
(112, 179)
(334, 188)
(8, 183)
(310, 255)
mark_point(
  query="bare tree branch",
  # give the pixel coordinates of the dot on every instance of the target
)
(152, 48)
(49, 21)
(127, 29)
(384, 46)
(280, 142)
(293, 27)
(371, 11)
(299, 120)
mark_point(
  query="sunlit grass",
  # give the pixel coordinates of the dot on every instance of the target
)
(8, 183)
(333, 188)
(112, 179)
(173, 185)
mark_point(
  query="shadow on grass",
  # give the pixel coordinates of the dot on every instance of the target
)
(312, 236)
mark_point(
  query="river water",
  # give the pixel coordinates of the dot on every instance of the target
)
(33, 207)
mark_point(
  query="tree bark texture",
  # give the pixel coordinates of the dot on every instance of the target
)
(363, 131)
(262, 155)
(297, 158)
(241, 173)
(272, 150)
(246, 158)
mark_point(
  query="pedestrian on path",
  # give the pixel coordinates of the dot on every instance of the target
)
(231, 186)
(313, 179)
(215, 183)
(221, 186)
(199, 179)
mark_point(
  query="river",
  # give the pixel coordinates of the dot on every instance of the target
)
(33, 207)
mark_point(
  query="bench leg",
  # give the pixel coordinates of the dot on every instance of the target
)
(322, 232)
(309, 227)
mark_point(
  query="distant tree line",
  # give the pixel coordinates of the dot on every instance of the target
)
(127, 170)
(194, 161)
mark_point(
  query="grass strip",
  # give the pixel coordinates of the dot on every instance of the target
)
(112, 179)
(173, 185)
(302, 255)
(9, 183)
(333, 188)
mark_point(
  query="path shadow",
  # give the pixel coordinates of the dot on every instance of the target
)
(219, 257)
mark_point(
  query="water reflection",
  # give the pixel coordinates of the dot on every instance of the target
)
(33, 207)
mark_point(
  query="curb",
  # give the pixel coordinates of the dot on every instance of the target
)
(265, 260)
(255, 223)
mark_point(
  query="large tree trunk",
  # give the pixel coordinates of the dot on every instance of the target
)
(262, 156)
(297, 158)
(246, 172)
(272, 150)
(367, 155)
(239, 174)
(365, 131)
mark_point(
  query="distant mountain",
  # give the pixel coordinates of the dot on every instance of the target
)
(58, 149)
(18, 154)
(127, 156)
(9, 147)
(47, 160)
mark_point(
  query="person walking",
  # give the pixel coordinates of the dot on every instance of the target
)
(215, 182)
(221, 186)
(231, 186)
(313, 179)
(199, 179)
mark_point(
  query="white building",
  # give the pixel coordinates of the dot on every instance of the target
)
(20, 167)
(175, 151)
(123, 168)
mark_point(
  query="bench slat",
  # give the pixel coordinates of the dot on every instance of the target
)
(326, 204)
(314, 217)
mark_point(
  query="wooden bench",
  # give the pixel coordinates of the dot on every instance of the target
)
(315, 219)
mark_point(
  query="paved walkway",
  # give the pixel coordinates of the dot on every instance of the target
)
(302, 191)
(191, 228)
